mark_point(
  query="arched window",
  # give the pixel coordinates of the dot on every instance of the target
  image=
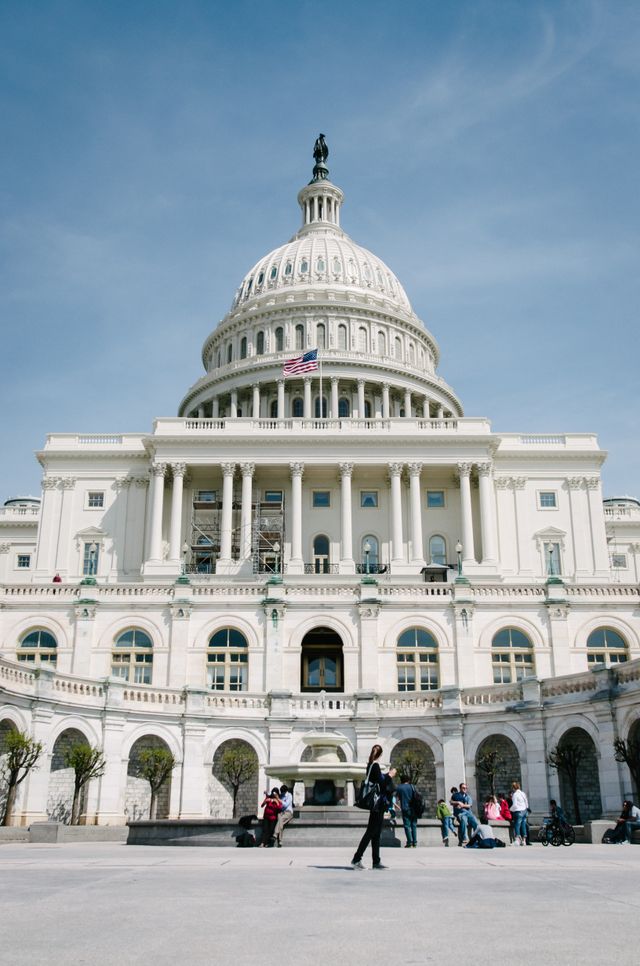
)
(337, 266)
(229, 353)
(304, 266)
(320, 264)
(342, 337)
(132, 657)
(417, 660)
(511, 656)
(249, 287)
(363, 339)
(370, 555)
(219, 359)
(243, 347)
(299, 336)
(412, 353)
(288, 269)
(260, 344)
(273, 409)
(38, 647)
(321, 335)
(367, 409)
(344, 408)
(321, 554)
(324, 407)
(297, 408)
(438, 550)
(397, 348)
(606, 646)
(227, 661)
(382, 344)
(273, 274)
(260, 279)
(279, 339)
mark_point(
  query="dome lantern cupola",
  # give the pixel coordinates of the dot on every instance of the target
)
(320, 200)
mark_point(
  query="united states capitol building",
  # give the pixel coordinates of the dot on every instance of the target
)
(337, 548)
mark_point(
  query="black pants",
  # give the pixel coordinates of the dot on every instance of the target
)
(372, 834)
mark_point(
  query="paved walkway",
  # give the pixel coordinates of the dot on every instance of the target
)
(104, 903)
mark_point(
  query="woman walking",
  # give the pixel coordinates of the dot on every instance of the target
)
(375, 776)
(519, 808)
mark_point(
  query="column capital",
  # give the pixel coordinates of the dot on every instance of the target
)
(122, 482)
(255, 385)
(247, 469)
(574, 482)
(518, 482)
(280, 381)
(178, 469)
(346, 469)
(361, 382)
(68, 482)
(228, 469)
(395, 469)
(297, 469)
(502, 482)
(334, 380)
(386, 386)
(415, 469)
(50, 482)
(140, 481)
(158, 469)
(592, 482)
(464, 469)
(485, 468)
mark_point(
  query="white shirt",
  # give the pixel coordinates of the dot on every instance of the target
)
(519, 801)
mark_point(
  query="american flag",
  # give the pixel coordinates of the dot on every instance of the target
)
(306, 363)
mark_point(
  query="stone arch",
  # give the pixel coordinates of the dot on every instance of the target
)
(219, 623)
(615, 623)
(508, 768)
(426, 784)
(137, 792)
(221, 792)
(36, 622)
(416, 620)
(588, 779)
(327, 620)
(61, 778)
(532, 631)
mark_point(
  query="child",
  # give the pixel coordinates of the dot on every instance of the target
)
(443, 812)
(393, 807)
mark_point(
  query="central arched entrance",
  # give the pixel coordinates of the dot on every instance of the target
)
(322, 666)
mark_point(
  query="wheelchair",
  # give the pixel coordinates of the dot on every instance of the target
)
(556, 833)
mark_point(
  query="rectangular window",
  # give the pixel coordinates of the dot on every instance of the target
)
(273, 496)
(552, 559)
(369, 498)
(619, 561)
(90, 559)
(547, 500)
(321, 498)
(435, 499)
(95, 499)
(24, 561)
(206, 496)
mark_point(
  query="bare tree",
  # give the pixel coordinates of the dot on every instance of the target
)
(567, 758)
(87, 763)
(155, 766)
(22, 755)
(237, 766)
(629, 752)
(489, 763)
(412, 764)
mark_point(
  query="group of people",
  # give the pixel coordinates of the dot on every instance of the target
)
(628, 822)
(277, 812)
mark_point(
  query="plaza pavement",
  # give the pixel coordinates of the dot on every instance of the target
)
(104, 903)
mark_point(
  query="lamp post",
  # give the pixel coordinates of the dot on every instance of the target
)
(276, 550)
(93, 553)
(459, 549)
(550, 564)
(367, 551)
(185, 551)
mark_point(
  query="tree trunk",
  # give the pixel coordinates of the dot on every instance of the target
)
(235, 789)
(153, 807)
(75, 808)
(9, 804)
(576, 804)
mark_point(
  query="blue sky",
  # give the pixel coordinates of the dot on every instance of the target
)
(152, 152)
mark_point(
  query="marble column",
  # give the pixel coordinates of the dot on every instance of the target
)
(417, 553)
(175, 532)
(386, 402)
(256, 401)
(395, 474)
(307, 398)
(247, 470)
(281, 413)
(233, 407)
(334, 397)
(157, 497)
(425, 408)
(487, 514)
(215, 407)
(407, 403)
(296, 561)
(347, 564)
(361, 398)
(228, 470)
(468, 549)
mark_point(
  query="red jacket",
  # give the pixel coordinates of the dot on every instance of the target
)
(271, 808)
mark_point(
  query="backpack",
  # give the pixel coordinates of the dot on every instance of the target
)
(417, 804)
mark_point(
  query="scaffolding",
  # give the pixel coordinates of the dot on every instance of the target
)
(267, 535)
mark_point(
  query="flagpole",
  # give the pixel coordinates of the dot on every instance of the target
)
(321, 407)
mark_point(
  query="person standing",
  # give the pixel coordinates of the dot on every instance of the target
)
(519, 809)
(375, 776)
(443, 813)
(462, 809)
(272, 807)
(286, 814)
(404, 792)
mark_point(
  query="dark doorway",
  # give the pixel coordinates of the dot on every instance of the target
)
(322, 663)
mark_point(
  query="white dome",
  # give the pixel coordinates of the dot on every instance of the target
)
(321, 256)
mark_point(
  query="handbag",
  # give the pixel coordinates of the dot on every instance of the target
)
(368, 795)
